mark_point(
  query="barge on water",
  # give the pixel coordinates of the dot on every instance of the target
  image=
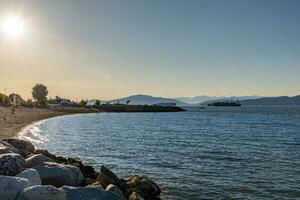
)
(225, 103)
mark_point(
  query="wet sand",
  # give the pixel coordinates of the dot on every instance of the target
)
(12, 121)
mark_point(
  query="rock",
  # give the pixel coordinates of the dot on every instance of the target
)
(107, 177)
(114, 189)
(21, 144)
(11, 164)
(59, 175)
(42, 192)
(48, 159)
(10, 187)
(96, 185)
(32, 175)
(23, 152)
(135, 196)
(89, 181)
(7, 148)
(88, 171)
(35, 160)
(144, 186)
(87, 193)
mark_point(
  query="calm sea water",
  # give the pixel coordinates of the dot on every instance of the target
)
(222, 153)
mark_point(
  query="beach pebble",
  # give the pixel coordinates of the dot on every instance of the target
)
(35, 160)
(80, 193)
(32, 175)
(114, 189)
(107, 177)
(42, 192)
(11, 164)
(135, 196)
(21, 144)
(59, 175)
(143, 185)
(10, 187)
(6, 148)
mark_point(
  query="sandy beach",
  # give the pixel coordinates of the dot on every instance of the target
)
(12, 120)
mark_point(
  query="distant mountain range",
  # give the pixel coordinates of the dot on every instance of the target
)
(200, 100)
(282, 100)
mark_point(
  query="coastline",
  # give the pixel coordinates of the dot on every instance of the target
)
(13, 120)
(42, 170)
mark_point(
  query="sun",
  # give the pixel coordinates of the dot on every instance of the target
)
(13, 27)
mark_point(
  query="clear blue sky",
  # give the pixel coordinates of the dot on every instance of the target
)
(115, 48)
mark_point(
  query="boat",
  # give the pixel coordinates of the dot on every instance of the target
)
(225, 103)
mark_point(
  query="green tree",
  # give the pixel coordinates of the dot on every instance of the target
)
(97, 103)
(128, 102)
(4, 99)
(83, 102)
(39, 93)
(16, 99)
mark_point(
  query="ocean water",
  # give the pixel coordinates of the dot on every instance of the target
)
(219, 153)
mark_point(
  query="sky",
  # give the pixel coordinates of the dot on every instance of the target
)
(108, 49)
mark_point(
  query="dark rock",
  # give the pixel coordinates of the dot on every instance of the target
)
(144, 186)
(21, 144)
(11, 164)
(107, 177)
(23, 152)
(7, 148)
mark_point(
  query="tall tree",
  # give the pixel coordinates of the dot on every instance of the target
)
(39, 93)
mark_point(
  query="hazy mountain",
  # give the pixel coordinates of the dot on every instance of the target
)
(282, 100)
(147, 99)
(204, 98)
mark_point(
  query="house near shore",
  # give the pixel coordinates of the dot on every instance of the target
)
(95, 102)
(66, 102)
(91, 102)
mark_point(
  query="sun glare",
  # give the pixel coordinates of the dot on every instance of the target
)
(13, 27)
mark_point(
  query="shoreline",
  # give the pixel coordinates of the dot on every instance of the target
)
(13, 120)
(44, 171)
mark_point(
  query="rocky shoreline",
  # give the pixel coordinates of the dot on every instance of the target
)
(29, 173)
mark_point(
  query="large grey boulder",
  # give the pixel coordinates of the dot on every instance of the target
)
(6, 148)
(35, 160)
(59, 175)
(42, 192)
(10, 187)
(32, 175)
(114, 189)
(21, 144)
(11, 164)
(82, 193)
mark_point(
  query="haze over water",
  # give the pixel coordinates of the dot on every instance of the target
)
(223, 153)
